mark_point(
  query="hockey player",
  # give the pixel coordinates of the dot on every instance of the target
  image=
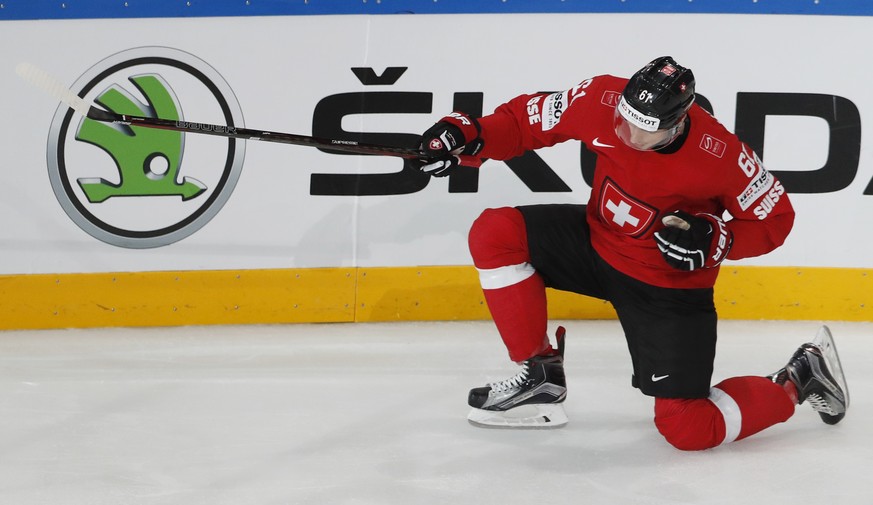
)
(674, 194)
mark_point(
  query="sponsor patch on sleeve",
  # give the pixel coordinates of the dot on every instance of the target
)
(554, 106)
(758, 187)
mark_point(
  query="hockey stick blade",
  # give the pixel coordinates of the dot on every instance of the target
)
(62, 93)
(51, 85)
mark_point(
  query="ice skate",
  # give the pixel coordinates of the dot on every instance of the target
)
(533, 398)
(817, 374)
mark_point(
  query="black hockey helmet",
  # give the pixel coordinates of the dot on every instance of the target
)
(658, 95)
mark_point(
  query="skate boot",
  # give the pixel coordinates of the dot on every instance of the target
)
(816, 372)
(533, 398)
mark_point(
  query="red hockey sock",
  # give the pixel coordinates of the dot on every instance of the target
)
(791, 391)
(736, 408)
(515, 293)
(519, 311)
(761, 404)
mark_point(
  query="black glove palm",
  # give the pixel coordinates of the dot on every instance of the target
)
(691, 242)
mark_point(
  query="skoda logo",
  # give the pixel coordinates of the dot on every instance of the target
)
(137, 187)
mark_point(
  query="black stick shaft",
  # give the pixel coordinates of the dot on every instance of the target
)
(349, 146)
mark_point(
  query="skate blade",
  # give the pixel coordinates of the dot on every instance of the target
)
(532, 417)
(825, 341)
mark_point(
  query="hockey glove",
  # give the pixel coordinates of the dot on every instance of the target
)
(691, 242)
(447, 143)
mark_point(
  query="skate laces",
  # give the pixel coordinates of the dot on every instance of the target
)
(512, 382)
(819, 404)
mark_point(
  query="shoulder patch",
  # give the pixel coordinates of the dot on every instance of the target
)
(713, 145)
(610, 98)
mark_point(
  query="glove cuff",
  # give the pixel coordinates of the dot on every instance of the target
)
(468, 125)
(721, 241)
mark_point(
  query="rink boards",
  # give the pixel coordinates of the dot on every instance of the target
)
(381, 294)
(98, 231)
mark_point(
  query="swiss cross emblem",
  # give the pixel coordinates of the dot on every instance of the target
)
(623, 213)
(436, 144)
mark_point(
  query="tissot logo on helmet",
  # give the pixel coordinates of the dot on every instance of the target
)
(637, 118)
(663, 90)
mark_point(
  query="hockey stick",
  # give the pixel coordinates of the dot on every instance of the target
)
(57, 89)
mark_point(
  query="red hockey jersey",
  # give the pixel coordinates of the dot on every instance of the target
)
(712, 172)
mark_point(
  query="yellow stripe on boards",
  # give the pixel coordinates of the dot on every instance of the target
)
(835, 294)
(177, 298)
(362, 294)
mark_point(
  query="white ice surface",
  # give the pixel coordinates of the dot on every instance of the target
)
(375, 414)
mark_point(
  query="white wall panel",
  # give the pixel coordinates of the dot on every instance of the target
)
(281, 68)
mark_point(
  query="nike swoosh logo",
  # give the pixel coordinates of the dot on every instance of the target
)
(658, 378)
(598, 143)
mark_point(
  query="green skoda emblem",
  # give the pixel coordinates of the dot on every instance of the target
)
(138, 187)
(148, 159)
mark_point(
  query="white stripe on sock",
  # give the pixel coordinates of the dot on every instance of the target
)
(496, 278)
(733, 418)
